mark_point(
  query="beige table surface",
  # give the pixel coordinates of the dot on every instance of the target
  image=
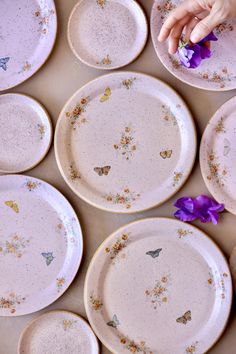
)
(59, 78)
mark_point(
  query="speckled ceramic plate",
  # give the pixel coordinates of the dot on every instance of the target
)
(107, 34)
(58, 332)
(218, 155)
(27, 35)
(125, 142)
(158, 286)
(40, 245)
(215, 74)
(25, 133)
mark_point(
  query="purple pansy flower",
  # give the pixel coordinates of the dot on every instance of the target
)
(191, 56)
(204, 208)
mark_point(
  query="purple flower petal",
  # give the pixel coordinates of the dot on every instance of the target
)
(185, 203)
(185, 216)
(185, 55)
(205, 53)
(211, 37)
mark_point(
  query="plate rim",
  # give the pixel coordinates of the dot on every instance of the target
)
(45, 314)
(114, 67)
(191, 121)
(224, 89)
(201, 149)
(46, 58)
(59, 295)
(149, 219)
(50, 125)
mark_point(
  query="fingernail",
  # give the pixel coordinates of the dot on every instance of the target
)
(194, 38)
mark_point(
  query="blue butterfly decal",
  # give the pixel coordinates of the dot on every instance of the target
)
(3, 63)
(48, 257)
(154, 254)
(114, 323)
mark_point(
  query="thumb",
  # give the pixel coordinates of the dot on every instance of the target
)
(205, 26)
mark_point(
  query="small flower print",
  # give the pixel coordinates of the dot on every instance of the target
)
(11, 301)
(159, 294)
(76, 116)
(224, 27)
(165, 9)
(222, 285)
(101, 3)
(32, 185)
(183, 233)
(105, 61)
(210, 280)
(175, 63)
(16, 246)
(220, 77)
(168, 116)
(220, 127)
(26, 67)
(73, 173)
(218, 283)
(42, 130)
(3, 63)
(192, 348)
(13, 205)
(68, 324)
(60, 282)
(134, 347)
(125, 198)
(216, 171)
(65, 228)
(177, 178)
(96, 303)
(44, 16)
(118, 246)
(126, 146)
(128, 83)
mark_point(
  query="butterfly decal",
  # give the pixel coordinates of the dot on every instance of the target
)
(106, 95)
(102, 170)
(114, 323)
(48, 257)
(227, 147)
(166, 154)
(13, 205)
(185, 318)
(154, 254)
(3, 63)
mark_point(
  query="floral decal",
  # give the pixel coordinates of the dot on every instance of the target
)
(26, 67)
(126, 145)
(192, 348)
(32, 185)
(68, 324)
(125, 198)
(118, 246)
(128, 83)
(105, 61)
(177, 178)
(65, 228)
(60, 282)
(95, 303)
(222, 285)
(42, 130)
(183, 233)
(220, 127)
(13, 205)
(166, 8)
(44, 15)
(159, 294)
(216, 171)
(134, 347)
(220, 77)
(76, 116)
(101, 3)
(15, 246)
(11, 301)
(219, 284)
(168, 116)
(174, 62)
(3, 63)
(73, 173)
(224, 27)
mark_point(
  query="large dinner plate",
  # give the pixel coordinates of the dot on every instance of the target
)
(125, 142)
(215, 74)
(27, 35)
(218, 155)
(40, 245)
(158, 286)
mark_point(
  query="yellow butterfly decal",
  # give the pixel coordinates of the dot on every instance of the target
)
(13, 206)
(106, 95)
(166, 154)
(185, 318)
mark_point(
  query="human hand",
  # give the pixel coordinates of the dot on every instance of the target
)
(198, 18)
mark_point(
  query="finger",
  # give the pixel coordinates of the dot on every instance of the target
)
(188, 7)
(189, 28)
(205, 26)
(176, 34)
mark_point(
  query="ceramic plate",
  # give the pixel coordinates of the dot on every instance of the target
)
(107, 34)
(125, 142)
(215, 74)
(58, 332)
(40, 245)
(27, 36)
(158, 286)
(218, 155)
(26, 133)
